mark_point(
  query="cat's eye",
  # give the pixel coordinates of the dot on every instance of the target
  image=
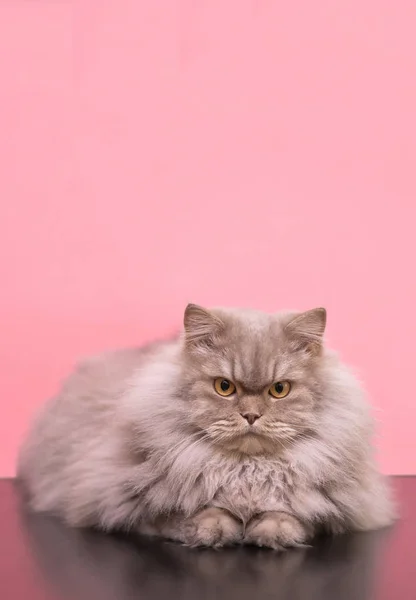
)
(280, 389)
(224, 387)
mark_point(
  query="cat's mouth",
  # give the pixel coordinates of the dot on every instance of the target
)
(251, 441)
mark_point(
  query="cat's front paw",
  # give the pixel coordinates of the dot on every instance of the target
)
(277, 530)
(212, 527)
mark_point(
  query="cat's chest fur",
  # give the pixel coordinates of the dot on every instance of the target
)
(257, 485)
(243, 487)
(251, 487)
(198, 477)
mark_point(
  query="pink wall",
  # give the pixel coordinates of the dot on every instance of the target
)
(242, 153)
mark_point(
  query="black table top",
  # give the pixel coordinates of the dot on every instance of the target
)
(41, 559)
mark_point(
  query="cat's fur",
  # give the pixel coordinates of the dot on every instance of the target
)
(140, 439)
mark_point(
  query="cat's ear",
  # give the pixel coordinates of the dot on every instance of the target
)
(201, 325)
(307, 329)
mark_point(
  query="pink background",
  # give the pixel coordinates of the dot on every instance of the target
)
(256, 153)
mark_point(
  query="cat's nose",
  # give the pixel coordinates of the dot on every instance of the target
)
(250, 417)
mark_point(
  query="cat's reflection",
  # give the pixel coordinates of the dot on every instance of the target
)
(86, 565)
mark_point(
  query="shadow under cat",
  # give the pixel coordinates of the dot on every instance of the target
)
(87, 564)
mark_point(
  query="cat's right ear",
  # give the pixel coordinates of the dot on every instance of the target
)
(202, 327)
(307, 329)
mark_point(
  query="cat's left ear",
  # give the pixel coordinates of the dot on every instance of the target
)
(307, 329)
(202, 326)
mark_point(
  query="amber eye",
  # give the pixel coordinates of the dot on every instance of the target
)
(280, 389)
(224, 387)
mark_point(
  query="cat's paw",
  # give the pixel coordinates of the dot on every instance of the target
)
(212, 527)
(277, 530)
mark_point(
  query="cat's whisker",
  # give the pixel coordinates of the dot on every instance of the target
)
(222, 422)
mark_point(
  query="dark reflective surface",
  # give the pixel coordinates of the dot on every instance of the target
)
(42, 559)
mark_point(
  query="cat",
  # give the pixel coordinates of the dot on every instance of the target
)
(243, 429)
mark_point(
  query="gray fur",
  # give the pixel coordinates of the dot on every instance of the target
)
(140, 440)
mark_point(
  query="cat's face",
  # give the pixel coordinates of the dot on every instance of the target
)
(252, 379)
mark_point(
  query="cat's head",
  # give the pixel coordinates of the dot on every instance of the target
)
(252, 379)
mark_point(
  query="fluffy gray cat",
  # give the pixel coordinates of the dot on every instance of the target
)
(245, 429)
